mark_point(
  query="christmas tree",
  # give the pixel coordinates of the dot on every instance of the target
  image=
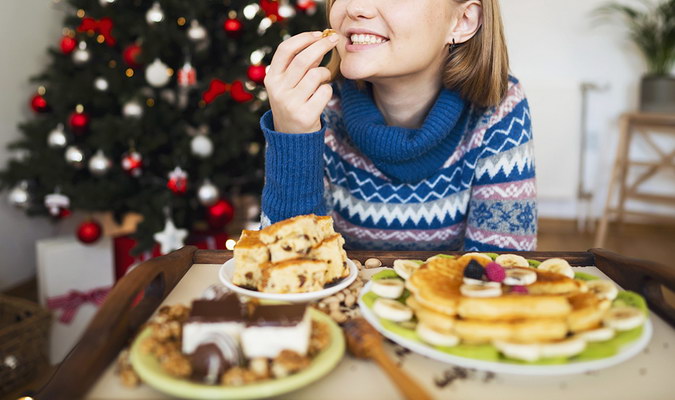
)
(152, 107)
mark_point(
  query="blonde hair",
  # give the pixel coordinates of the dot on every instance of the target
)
(478, 69)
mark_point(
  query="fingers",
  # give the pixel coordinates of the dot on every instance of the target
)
(320, 98)
(308, 58)
(314, 78)
(289, 48)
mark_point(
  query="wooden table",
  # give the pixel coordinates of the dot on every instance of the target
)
(632, 126)
(88, 371)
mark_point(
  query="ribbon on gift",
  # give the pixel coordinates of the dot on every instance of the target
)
(102, 26)
(70, 303)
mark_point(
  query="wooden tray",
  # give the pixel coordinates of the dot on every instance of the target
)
(118, 320)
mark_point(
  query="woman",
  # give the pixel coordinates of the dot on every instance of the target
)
(422, 141)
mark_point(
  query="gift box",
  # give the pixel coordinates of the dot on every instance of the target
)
(73, 280)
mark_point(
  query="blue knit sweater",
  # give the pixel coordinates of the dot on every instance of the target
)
(464, 180)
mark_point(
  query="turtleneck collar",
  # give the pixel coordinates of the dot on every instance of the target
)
(404, 154)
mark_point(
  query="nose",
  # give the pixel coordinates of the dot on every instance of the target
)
(357, 9)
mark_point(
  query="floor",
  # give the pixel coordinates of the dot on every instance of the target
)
(651, 242)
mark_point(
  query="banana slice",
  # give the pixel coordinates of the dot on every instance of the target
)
(389, 288)
(603, 289)
(435, 336)
(557, 265)
(392, 310)
(597, 335)
(520, 277)
(512, 260)
(564, 348)
(519, 351)
(471, 281)
(623, 318)
(481, 256)
(487, 289)
(405, 268)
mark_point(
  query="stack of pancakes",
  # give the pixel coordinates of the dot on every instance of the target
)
(554, 306)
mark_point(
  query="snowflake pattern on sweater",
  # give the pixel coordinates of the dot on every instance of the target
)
(483, 197)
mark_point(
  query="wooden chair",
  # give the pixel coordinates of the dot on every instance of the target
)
(118, 319)
(633, 125)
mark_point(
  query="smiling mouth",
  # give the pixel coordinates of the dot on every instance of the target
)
(362, 39)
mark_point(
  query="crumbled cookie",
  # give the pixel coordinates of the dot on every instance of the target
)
(238, 376)
(320, 338)
(176, 364)
(260, 367)
(288, 362)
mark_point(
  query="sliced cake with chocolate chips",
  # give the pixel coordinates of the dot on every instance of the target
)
(250, 254)
(293, 276)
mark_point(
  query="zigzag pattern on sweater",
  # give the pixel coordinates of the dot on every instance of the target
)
(502, 240)
(374, 234)
(513, 164)
(515, 134)
(433, 214)
(364, 187)
(505, 191)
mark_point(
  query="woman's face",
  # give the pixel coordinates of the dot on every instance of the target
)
(392, 38)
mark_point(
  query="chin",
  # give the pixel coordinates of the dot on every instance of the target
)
(352, 72)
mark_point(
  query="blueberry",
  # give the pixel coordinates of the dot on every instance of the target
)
(474, 270)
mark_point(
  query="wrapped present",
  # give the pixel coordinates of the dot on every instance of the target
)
(125, 261)
(73, 280)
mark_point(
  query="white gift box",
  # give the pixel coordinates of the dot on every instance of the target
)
(64, 264)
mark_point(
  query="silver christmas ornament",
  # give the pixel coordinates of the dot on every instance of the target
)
(157, 73)
(55, 202)
(81, 55)
(251, 10)
(99, 164)
(196, 31)
(208, 194)
(74, 156)
(19, 196)
(201, 146)
(57, 137)
(105, 2)
(286, 11)
(101, 84)
(155, 14)
(132, 109)
(265, 23)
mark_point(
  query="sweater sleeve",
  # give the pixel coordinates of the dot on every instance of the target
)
(293, 173)
(503, 206)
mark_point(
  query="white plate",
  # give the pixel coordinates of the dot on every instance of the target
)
(627, 351)
(227, 271)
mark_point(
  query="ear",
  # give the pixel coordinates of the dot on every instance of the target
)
(469, 19)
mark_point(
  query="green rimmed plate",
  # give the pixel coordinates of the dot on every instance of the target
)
(150, 371)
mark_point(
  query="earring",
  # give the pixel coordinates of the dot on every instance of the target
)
(451, 48)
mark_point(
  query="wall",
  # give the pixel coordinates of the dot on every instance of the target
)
(555, 46)
(27, 27)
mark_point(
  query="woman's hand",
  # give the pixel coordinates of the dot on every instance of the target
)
(296, 86)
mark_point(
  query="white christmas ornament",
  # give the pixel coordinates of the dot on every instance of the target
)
(257, 56)
(99, 164)
(18, 196)
(208, 194)
(101, 84)
(196, 32)
(170, 238)
(265, 23)
(157, 73)
(55, 202)
(57, 137)
(132, 109)
(105, 2)
(155, 14)
(74, 156)
(286, 11)
(81, 55)
(201, 146)
(251, 10)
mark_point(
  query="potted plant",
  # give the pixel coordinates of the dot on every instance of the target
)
(651, 26)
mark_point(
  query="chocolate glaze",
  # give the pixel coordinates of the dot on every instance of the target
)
(213, 357)
(227, 308)
(277, 315)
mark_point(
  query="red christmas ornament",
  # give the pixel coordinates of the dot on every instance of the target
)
(233, 27)
(216, 88)
(131, 54)
(89, 232)
(78, 122)
(177, 181)
(132, 163)
(39, 104)
(68, 44)
(306, 5)
(271, 9)
(239, 94)
(220, 214)
(256, 73)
